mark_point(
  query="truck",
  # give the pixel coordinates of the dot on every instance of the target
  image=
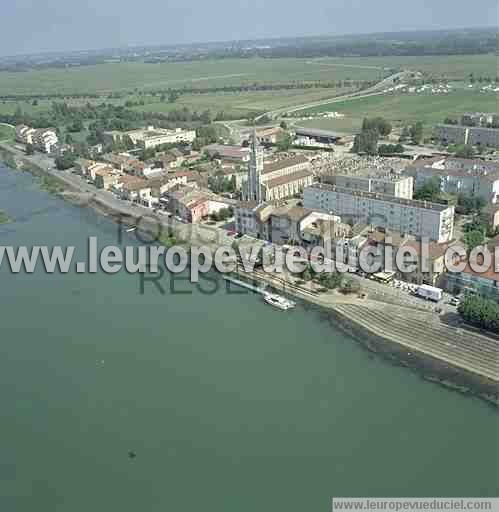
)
(429, 293)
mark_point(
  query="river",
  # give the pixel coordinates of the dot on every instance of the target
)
(226, 404)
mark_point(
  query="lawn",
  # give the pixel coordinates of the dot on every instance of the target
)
(402, 109)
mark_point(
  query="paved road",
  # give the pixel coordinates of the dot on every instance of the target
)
(372, 91)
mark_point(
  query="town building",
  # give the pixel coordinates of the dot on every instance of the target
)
(269, 136)
(151, 137)
(235, 154)
(161, 185)
(286, 222)
(478, 119)
(134, 189)
(106, 177)
(485, 283)
(475, 136)
(417, 218)
(89, 168)
(476, 178)
(392, 185)
(193, 204)
(43, 139)
(282, 178)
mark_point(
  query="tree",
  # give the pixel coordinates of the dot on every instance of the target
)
(390, 149)
(430, 191)
(284, 125)
(65, 162)
(474, 239)
(30, 150)
(366, 142)
(480, 311)
(330, 280)
(382, 126)
(284, 142)
(173, 96)
(349, 285)
(76, 126)
(417, 131)
(465, 151)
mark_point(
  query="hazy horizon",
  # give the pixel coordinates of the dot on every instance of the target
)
(121, 23)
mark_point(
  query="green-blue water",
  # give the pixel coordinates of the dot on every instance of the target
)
(228, 404)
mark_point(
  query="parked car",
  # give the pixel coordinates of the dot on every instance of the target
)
(453, 301)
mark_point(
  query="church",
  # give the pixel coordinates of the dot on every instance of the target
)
(275, 180)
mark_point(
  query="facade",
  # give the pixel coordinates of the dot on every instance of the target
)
(163, 184)
(276, 180)
(281, 222)
(393, 186)
(486, 284)
(151, 137)
(477, 119)
(417, 218)
(43, 139)
(235, 154)
(192, 204)
(253, 190)
(269, 135)
(106, 178)
(458, 176)
(451, 134)
(475, 136)
(134, 189)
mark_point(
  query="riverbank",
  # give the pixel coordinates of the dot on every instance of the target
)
(416, 339)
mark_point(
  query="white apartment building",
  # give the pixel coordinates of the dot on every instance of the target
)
(396, 186)
(417, 218)
(458, 176)
(43, 139)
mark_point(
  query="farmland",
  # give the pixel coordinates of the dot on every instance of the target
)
(402, 109)
(6, 132)
(127, 77)
(141, 83)
(240, 104)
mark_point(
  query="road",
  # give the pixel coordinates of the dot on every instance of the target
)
(372, 91)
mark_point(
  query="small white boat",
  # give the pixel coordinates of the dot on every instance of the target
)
(278, 301)
(131, 229)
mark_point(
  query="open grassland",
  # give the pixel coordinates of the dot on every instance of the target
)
(402, 109)
(107, 78)
(453, 67)
(6, 133)
(241, 103)
(115, 77)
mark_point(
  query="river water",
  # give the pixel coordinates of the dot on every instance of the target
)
(227, 404)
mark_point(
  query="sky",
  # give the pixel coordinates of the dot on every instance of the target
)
(32, 26)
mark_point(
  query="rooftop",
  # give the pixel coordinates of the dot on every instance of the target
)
(288, 178)
(284, 163)
(427, 205)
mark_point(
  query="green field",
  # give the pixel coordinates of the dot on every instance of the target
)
(453, 67)
(402, 109)
(242, 103)
(6, 133)
(106, 78)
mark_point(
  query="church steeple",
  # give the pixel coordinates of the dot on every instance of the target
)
(255, 169)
